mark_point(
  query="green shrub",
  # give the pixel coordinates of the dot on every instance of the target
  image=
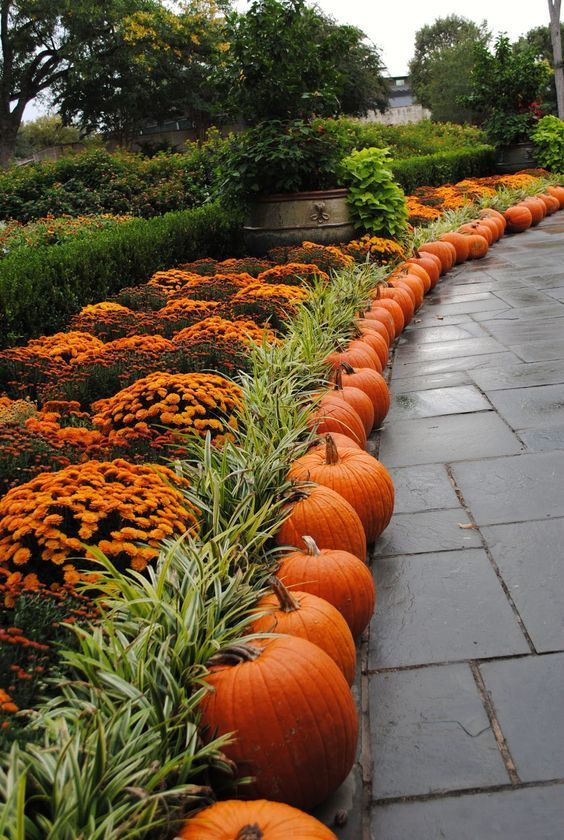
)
(443, 167)
(41, 288)
(377, 203)
(548, 138)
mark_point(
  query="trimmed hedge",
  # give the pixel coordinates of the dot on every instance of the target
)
(41, 288)
(443, 167)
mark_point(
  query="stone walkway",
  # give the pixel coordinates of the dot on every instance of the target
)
(462, 678)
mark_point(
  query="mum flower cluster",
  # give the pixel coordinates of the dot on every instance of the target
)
(294, 274)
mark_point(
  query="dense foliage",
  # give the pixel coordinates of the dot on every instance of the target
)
(376, 202)
(548, 138)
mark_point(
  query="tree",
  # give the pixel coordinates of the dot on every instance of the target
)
(42, 132)
(162, 69)
(288, 61)
(539, 40)
(556, 38)
(441, 66)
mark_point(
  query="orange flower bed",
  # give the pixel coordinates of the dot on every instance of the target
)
(172, 279)
(124, 509)
(263, 302)
(181, 403)
(374, 249)
(294, 274)
(326, 257)
(184, 312)
(213, 287)
(220, 329)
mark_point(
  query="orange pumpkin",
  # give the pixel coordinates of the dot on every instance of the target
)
(496, 217)
(291, 708)
(395, 311)
(374, 385)
(309, 617)
(378, 313)
(341, 441)
(327, 517)
(477, 246)
(357, 476)
(558, 193)
(552, 204)
(478, 228)
(255, 820)
(365, 326)
(418, 270)
(537, 208)
(460, 243)
(356, 398)
(378, 344)
(360, 354)
(518, 218)
(338, 576)
(413, 284)
(335, 414)
(493, 225)
(443, 250)
(431, 263)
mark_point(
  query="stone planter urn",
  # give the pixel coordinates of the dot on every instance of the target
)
(290, 218)
(515, 157)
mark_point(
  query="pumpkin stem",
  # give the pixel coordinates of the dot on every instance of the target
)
(285, 599)
(347, 367)
(235, 655)
(311, 545)
(331, 451)
(338, 379)
(250, 832)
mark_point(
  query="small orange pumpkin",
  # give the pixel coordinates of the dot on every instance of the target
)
(378, 313)
(309, 617)
(365, 326)
(460, 243)
(558, 193)
(443, 250)
(338, 576)
(518, 218)
(334, 414)
(395, 311)
(356, 398)
(255, 820)
(431, 263)
(374, 385)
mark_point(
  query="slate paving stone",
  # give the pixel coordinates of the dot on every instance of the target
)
(526, 313)
(430, 318)
(538, 351)
(438, 350)
(551, 280)
(448, 333)
(529, 486)
(535, 813)
(436, 401)
(449, 294)
(417, 533)
(529, 556)
(528, 695)
(465, 307)
(431, 381)
(431, 733)
(456, 437)
(543, 440)
(427, 487)
(534, 408)
(520, 375)
(557, 293)
(521, 296)
(442, 607)
(464, 363)
(513, 332)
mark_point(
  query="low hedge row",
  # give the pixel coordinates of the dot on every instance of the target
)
(41, 288)
(443, 167)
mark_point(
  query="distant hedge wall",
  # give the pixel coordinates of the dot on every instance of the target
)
(41, 288)
(443, 167)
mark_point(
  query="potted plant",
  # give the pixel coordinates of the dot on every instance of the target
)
(284, 74)
(507, 88)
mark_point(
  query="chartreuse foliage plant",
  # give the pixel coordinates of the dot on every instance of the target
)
(548, 138)
(377, 203)
(121, 755)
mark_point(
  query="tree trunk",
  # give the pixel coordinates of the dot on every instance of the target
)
(556, 38)
(8, 134)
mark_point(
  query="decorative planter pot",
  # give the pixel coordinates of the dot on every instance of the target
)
(514, 158)
(291, 218)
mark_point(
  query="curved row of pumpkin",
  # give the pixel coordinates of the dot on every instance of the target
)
(335, 571)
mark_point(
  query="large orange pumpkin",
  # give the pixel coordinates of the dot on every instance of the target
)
(493, 225)
(518, 218)
(431, 263)
(413, 283)
(255, 820)
(418, 270)
(537, 208)
(558, 193)
(309, 617)
(338, 576)
(341, 441)
(378, 344)
(357, 399)
(374, 385)
(357, 476)
(378, 313)
(491, 215)
(443, 250)
(477, 246)
(404, 297)
(328, 518)
(360, 354)
(551, 203)
(395, 311)
(480, 228)
(460, 243)
(335, 414)
(365, 325)
(293, 716)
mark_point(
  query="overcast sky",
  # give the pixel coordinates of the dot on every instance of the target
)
(392, 24)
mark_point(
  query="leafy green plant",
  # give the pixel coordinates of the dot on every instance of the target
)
(548, 138)
(377, 203)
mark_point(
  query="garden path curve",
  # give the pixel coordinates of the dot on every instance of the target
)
(462, 677)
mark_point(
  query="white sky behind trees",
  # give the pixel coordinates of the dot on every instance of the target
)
(392, 24)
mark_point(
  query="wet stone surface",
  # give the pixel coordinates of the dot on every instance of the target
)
(433, 402)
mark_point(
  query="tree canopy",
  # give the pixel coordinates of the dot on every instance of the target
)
(442, 63)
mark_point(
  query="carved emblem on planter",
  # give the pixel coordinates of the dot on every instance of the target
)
(319, 215)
